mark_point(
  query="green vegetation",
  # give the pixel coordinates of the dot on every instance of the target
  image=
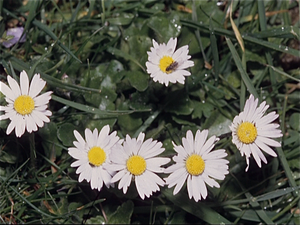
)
(92, 55)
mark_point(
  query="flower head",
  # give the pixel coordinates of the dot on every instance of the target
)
(167, 65)
(25, 108)
(136, 159)
(253, 132)
(197, 164)
(92, 156)
(16, 34)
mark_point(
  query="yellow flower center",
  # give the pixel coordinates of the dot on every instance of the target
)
(24, 104)
(165, 63)
(195, 165)
(96, 156)
(136, 165)
(247, 132)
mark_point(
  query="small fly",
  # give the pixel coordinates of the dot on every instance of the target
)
(172, 66)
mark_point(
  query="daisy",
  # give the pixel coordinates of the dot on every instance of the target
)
(92, 156)
(167, 65)
(136, 161)
(252, 131)
(25, 108)
(196, 163)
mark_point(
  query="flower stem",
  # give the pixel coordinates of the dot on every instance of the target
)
(32, 151)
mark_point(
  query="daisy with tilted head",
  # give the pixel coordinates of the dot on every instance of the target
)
(92, 156)
(253, 132)
(137, 161)
(25, 108)
(197, 164)
(167, 65)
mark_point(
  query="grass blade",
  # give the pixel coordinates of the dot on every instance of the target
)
(263, 26)
(53, 36)
(239, 65)
(93, 110)
(30, 204)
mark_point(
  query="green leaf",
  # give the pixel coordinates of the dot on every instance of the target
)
(179, 103)
(198, 108)
(115, 51)
(138, 46)
(96, 220)
(129, 123)
(294, 121)
(50, 141)
(65, 133)
(220, 124)
(165, 27)
(138, 80)
(10, 153)
(122, 214)
(199, 209)
(121, 19)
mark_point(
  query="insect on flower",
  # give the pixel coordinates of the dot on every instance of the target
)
(172, 66)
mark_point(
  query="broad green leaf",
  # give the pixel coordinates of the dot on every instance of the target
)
(179, 103)
(65, 133)
(96, 220)
(183, 120)
(198, 109)
(10, 153)
(129, 123)
(198, 209)
(138, 80)
(123, 214)
(220, 125)
(294, 121)
(50, 141)
(126, 56)
(121, 19)
(138, 45)
(165, 27)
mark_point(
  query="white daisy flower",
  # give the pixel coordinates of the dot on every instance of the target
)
(252, 131)
(167, 65)
(136, 160)
(197, 164)
(25, 108)
(92, 156)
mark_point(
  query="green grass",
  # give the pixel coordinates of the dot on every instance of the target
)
(92, 55)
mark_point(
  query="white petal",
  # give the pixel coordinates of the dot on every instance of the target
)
(155, 164)
(181, 180)
(269, 141)
(7, 91)
(24, 83)
(200, 140)
(14, 86)
(36, 86)
(89, 138)
(118, 176)
(202, 188)
(265, 147)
